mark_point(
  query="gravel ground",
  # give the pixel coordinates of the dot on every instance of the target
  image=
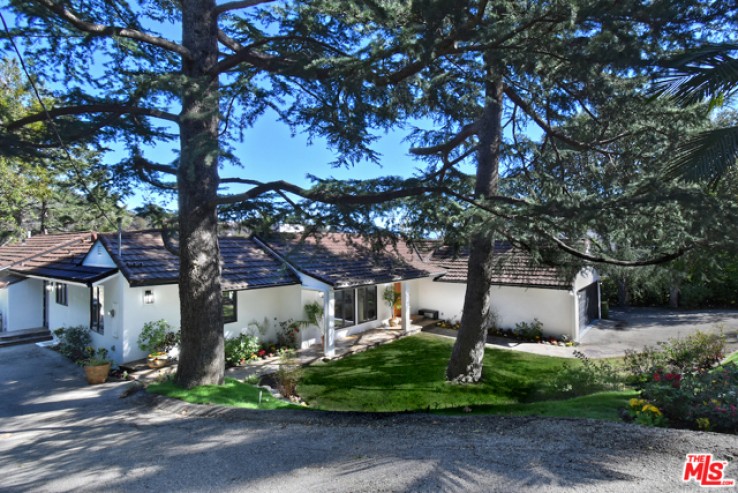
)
(57, 434)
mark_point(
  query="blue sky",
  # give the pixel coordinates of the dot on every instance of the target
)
(270, 152)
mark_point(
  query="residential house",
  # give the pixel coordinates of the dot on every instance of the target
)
(114, 283)
(35, 278)
(564, 301)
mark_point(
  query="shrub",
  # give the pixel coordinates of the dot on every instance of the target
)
(287, 335)
(532, 331)
(584, 379)
(288, 375)
(705, 400)
(73, 342)
(697, 352)
(158, 337)
(241, 348)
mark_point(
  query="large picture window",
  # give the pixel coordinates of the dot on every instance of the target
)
(355, 306)
(97, 310)
(230, 307)
(366, 298)
(345, 308)
(61, 293)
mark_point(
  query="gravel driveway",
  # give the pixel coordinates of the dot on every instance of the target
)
(57, 434)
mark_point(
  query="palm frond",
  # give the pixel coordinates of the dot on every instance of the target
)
(707, 156)
(708, 73)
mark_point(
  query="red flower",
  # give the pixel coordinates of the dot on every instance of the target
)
(657, 377)
(261, 352)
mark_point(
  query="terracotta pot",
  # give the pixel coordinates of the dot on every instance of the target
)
(97, 374)
(157, 362)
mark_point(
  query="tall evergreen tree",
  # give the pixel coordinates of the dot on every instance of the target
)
(47, 190)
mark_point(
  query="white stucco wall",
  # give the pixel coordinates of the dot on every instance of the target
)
(554, 308)
(586, 277)
(98, 256)
(4, 308)
(135, 313)
(75, 313)
(261, 310)
(25, 305)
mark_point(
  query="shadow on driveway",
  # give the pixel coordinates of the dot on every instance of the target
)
(634, 328)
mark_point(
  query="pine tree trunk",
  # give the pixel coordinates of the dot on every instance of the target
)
(465, 364)
(202, 360)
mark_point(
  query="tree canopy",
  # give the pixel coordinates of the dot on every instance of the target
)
(475, 76)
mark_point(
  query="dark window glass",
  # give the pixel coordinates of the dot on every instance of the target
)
(345, 308)
(367, 303)
(97, 309)
(61, 294)
(230, 307)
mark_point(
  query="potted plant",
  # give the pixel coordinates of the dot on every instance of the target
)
(157, 339)
(97, 366)
(314, 315)
(393, 299)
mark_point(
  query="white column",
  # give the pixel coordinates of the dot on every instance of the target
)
(329, 323)
(405, 304)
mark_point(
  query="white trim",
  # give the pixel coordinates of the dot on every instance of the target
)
(53, 279)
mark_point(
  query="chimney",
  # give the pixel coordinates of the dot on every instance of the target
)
(120, 235)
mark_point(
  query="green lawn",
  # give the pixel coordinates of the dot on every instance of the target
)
(408, 375)
(231, 393)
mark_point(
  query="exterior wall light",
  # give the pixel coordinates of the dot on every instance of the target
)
(148, 297)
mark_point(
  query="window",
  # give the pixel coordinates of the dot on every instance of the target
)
(366, 298)
(230, 307)
(354, 305)
(61, 294)
(345, 308)
(97, 310)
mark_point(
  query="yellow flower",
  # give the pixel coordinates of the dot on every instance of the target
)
(651, 408)
(634, 402)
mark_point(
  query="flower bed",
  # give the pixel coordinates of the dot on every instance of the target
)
(681, 386)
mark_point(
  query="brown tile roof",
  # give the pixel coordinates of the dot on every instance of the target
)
(513, 267)
(57, 256)
(343, 260)
(144, 260)
(49, 247)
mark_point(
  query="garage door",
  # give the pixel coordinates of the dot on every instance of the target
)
(588, 309)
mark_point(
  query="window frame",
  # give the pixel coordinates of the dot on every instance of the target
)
(61, 294)
(226, 296)
(367, 290)
(97, 316)
(341, 304)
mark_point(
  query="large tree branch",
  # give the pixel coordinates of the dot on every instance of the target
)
(85, 109)
(446, 147)
(113, 31)
(414, 189)
(243, 4)
(601, 259)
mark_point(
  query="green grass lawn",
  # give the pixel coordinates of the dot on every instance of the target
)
(408, 375)
(231, 393)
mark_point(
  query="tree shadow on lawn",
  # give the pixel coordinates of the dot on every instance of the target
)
(409, 374)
